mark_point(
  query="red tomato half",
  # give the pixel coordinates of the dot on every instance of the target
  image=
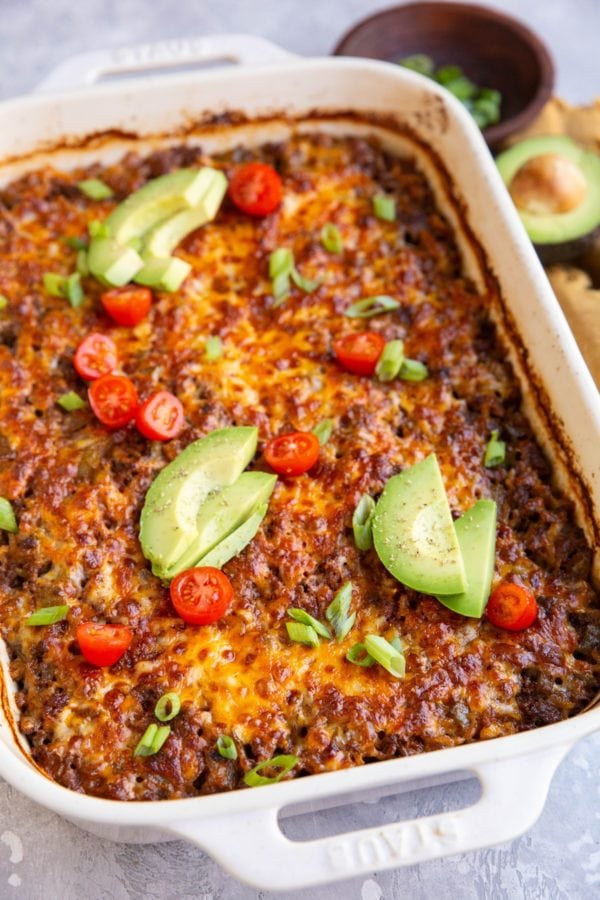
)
(160, 417)
(103, 645)
(113, 399)
(294, 453)
(201, 595)
(359, 352)
(256, 189)
(127, 305)
(511, 607)
(95, 356)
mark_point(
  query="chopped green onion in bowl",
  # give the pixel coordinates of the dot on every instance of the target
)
(71, 401)
(95, 189)
(284, 763)
(384, 207)
(495, 452)
(362, 521)
(8, 521)
(300, 615)
(371, 306)
(47, 615)
(331, 238)
(167, 707)
(323, 430)
(226, 747)
(337, 613)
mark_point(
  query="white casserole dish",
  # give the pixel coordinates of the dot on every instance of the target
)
(564, 402)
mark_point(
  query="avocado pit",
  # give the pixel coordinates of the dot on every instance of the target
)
(548, 184)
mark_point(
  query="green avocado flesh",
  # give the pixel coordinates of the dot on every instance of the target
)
(235, 542)
(476, 533)
(159, 198)
(168, 523)
(166, 274)
(166, 235)
(111, 263)
(414, 534)
(555, 228)
(223, 513)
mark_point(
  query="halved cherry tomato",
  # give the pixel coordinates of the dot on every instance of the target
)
(359, 352)
(293, 453)
(103, 645)
(113, 399)
(160, 417)
(95, 356)
(127, 305)
(511, 607)
(256, 189)
(201, 595)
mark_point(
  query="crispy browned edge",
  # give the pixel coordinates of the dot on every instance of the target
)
(231, 119)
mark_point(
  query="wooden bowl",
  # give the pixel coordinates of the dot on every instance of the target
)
(493, 49)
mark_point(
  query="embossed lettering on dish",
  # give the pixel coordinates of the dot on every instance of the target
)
(407, 842)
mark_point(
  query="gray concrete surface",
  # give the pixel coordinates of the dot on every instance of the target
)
(42, 856)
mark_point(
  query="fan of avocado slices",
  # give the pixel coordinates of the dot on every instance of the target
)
(137, 240)
(203, 508)
(419, 544)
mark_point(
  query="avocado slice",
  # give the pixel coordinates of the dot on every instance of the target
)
(414, 534)
(476, 533)
(111, 263)
(159, 198)
(555, 185)
(235, 542)
(224, 512)
(166, 235)
(164, 274)
(168, 523)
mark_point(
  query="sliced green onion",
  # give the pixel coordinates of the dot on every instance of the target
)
(8, 520)
(495, 452)
(213, 349)
(302, 634)
(362, 522)
(167, 707)
(359, 655)
(337, 612)
(152, 740)
(95, 189)
(281, 288)
(76, 243)
(285, 762)
(307, 285)
(56, 285)
(446, 74)
(386, 655)
(71, 401)
(3, 301)
(98, 229)
(390, 361)
(281, 262)
(384, 207)
(300, 615)
(418, 62)
(323, 430)
(371, 306)
(73, 290)
(331, 238)
(397, 644)
(82, 263)
(413, 370)
(226, 747)
(48, 615)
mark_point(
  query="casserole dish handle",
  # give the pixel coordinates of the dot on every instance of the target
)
(86, 69)
(252, 847)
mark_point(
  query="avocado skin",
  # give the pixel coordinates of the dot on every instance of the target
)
(559, 237)
(413, 531)
(168, 519)
(476, 533)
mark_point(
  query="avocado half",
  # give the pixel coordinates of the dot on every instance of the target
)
(555, 185)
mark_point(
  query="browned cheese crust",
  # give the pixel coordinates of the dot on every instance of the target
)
(77, 490)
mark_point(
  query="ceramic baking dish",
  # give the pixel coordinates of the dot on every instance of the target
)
(276, 92)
